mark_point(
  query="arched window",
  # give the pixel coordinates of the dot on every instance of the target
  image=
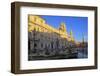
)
(34, 29)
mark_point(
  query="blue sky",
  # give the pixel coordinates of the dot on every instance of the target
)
(79, 25)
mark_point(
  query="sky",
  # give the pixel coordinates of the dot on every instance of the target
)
(79, 25)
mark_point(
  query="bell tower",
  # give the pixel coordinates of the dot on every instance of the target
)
(62, 27)
(71, 34)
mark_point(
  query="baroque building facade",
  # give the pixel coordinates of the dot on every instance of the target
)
(45, 40)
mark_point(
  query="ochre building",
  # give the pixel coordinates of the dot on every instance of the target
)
(39, 24)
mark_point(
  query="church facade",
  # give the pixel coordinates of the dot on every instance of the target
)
(45, 40)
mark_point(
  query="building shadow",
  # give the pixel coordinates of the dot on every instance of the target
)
(51, 46)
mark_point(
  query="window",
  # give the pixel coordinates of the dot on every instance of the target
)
(34, 29)
(34, 18)
(35, 45)
(41, 45)
(38, 29)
